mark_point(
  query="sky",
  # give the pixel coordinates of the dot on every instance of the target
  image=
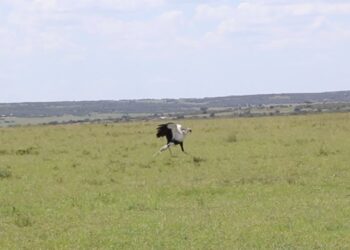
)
(64, 50)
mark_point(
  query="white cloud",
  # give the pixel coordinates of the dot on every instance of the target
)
(272, 24)
(129, 4)
(59, 5)
(316, 8)
(54, 25)
(209, 12)
(118, 34)
(203, 39)
(45, 5)
(171, 16)
(298, 8)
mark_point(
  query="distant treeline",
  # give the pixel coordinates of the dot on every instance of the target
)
(159, 106)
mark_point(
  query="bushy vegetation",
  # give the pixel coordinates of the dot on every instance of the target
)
(247, 183)
(114, 110)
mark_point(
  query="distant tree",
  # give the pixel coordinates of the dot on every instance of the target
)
(297, 109)
(53, 123)
(125, 117)
(204, 110)
(180, 117)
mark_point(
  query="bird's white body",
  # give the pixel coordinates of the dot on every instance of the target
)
(178, 134)
(174, 133)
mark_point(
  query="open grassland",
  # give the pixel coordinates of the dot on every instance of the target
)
(253, 183)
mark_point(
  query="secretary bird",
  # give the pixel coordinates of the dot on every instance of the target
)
(174, 133)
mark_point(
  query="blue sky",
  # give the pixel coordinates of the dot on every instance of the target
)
(54, 50)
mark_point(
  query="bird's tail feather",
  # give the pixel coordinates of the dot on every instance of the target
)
(162, 130)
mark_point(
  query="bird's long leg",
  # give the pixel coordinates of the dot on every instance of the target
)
(165, 147)
(169, 145)
(161, 150)
(183, 150)
(182, 147)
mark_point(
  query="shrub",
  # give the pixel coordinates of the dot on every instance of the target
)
(23, 221)
(5, 173)
(232, 138)
(27, 151)
(197, 159)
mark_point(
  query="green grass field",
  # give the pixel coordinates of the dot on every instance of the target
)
(250, 183)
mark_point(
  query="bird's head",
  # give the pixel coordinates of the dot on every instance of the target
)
(187, 130)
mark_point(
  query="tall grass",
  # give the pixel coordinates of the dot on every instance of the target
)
(253, 183)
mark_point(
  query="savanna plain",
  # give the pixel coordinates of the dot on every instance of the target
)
(246, 183)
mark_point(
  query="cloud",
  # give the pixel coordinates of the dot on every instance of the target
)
(64, 42)
(298, 8)
(268, 11)
(276, 24)
(67, 5)
(117, 34)
(128, 4)
(55, 25)
(209, 12)
(29, 26)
